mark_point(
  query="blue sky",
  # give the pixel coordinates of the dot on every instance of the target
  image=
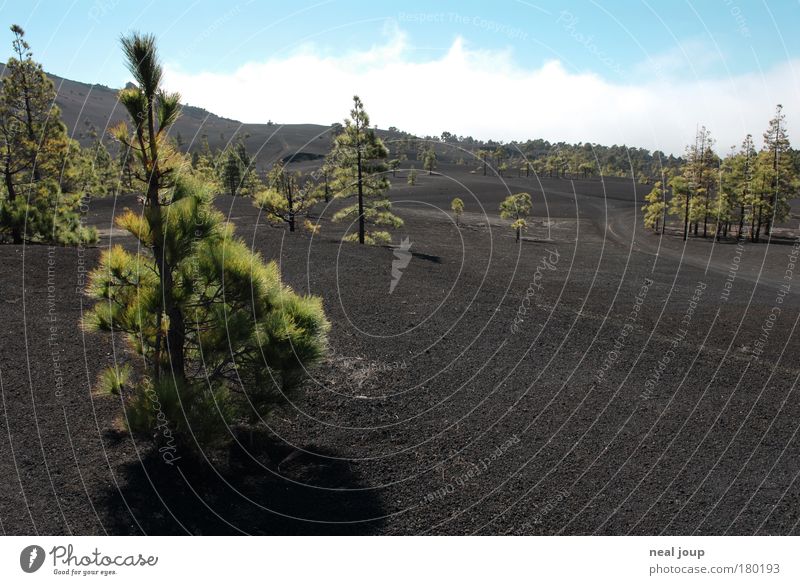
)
(634, 45)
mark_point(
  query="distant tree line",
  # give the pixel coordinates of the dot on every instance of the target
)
(532, 157)
(741, 194)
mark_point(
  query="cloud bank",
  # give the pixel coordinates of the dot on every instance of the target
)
(486, 94)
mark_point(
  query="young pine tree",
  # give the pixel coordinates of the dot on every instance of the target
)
(358, 154)
(725, 201)
(483, 156)
(701, 175)
(34, 147)
(517, 208)
(778, 166)
(236, 169)
(223, 340)
(737, 180)
(655, 208)
(457, 205)
(286, 198)
(429, 161)
(681, 201)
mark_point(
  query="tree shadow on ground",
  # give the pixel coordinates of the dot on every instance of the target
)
(268, 489)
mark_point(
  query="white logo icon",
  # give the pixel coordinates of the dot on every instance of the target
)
(402, 256)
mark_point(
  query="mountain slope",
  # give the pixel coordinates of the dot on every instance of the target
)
(84, 105)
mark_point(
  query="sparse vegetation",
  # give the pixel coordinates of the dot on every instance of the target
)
(655, 208)
(357, 158)
(457, 206)
(517, 208)
(429, 161)
(286, 197)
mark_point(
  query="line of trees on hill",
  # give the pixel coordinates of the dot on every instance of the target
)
(539, 157)
(743, 193)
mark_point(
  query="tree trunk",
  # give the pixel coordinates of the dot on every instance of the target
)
(291, 206)
(360, 199)
(176, 329)
(741, 219)
(686, 218)
(16, 234)
(758, 224)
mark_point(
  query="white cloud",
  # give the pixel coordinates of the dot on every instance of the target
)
(486, 95)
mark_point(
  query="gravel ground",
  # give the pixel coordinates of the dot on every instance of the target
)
(593, 378)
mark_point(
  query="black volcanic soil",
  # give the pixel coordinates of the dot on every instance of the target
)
(434, 413)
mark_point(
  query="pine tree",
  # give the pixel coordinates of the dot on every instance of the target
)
(483, 156)
(412, 176)
(222, 338)
(782, 179)
(457, 205)
(724, 202)
(737, 180)
(127, 171)
(204, 165)
(105, 169)
(429, 163)
(700, 173)
(680, 202)
(358, 155)
(655, 208)
(92, 169)
(34, 147)
(285, 198)
(499, 156)
(517, 207)
(324, 177)
(237, 170)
